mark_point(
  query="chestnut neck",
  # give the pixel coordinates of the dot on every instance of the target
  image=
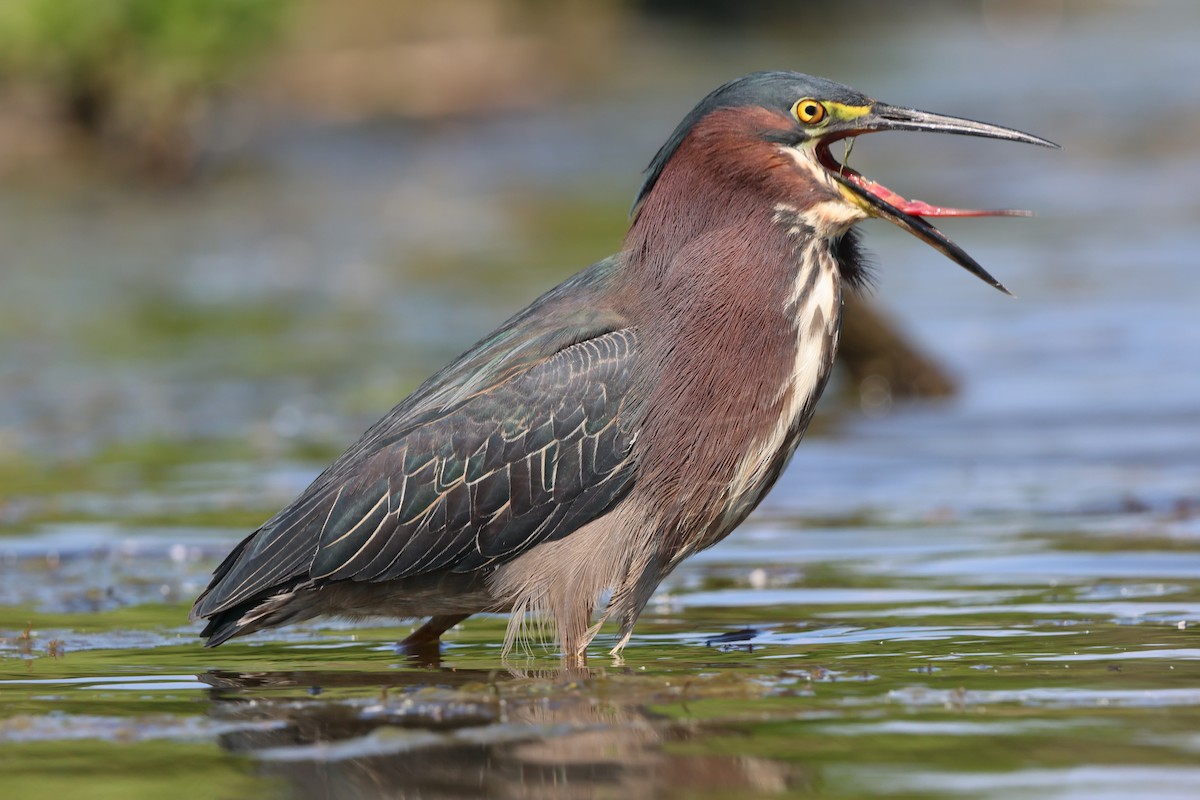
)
(723, 174)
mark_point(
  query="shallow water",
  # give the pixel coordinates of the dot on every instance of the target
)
(996, 596)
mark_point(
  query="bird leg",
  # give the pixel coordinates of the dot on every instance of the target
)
(431, 632)
(574, 634)
(575, 661)
(627, 603)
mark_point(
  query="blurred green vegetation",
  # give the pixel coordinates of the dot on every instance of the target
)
(130, 72)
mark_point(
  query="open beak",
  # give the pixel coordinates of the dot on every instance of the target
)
(879, 201)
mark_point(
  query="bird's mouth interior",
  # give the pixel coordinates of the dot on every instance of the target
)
(879, 192)
(879, 201)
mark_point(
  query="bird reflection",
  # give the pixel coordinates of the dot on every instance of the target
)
(471, 733)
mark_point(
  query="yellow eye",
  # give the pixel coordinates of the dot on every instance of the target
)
(809, 111)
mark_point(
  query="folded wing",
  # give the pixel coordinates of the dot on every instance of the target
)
(527, 458)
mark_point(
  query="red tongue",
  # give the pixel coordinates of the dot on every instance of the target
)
(919, 208)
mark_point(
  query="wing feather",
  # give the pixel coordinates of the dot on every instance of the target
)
(529, 459)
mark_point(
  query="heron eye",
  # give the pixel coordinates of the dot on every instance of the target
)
(809, 111)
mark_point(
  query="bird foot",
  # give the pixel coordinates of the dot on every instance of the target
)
(626, 635)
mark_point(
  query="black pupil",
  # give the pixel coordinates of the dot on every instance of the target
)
(810, 111)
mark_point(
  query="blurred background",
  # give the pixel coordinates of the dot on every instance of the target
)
(256, 224)
(233, 233)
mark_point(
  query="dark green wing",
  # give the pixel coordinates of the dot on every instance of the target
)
(526, 462)
(523, 440)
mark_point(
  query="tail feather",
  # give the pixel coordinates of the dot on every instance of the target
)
(281, 608)
(199, 607)
(221, 628)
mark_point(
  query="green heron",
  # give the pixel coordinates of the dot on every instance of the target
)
(631, 416)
